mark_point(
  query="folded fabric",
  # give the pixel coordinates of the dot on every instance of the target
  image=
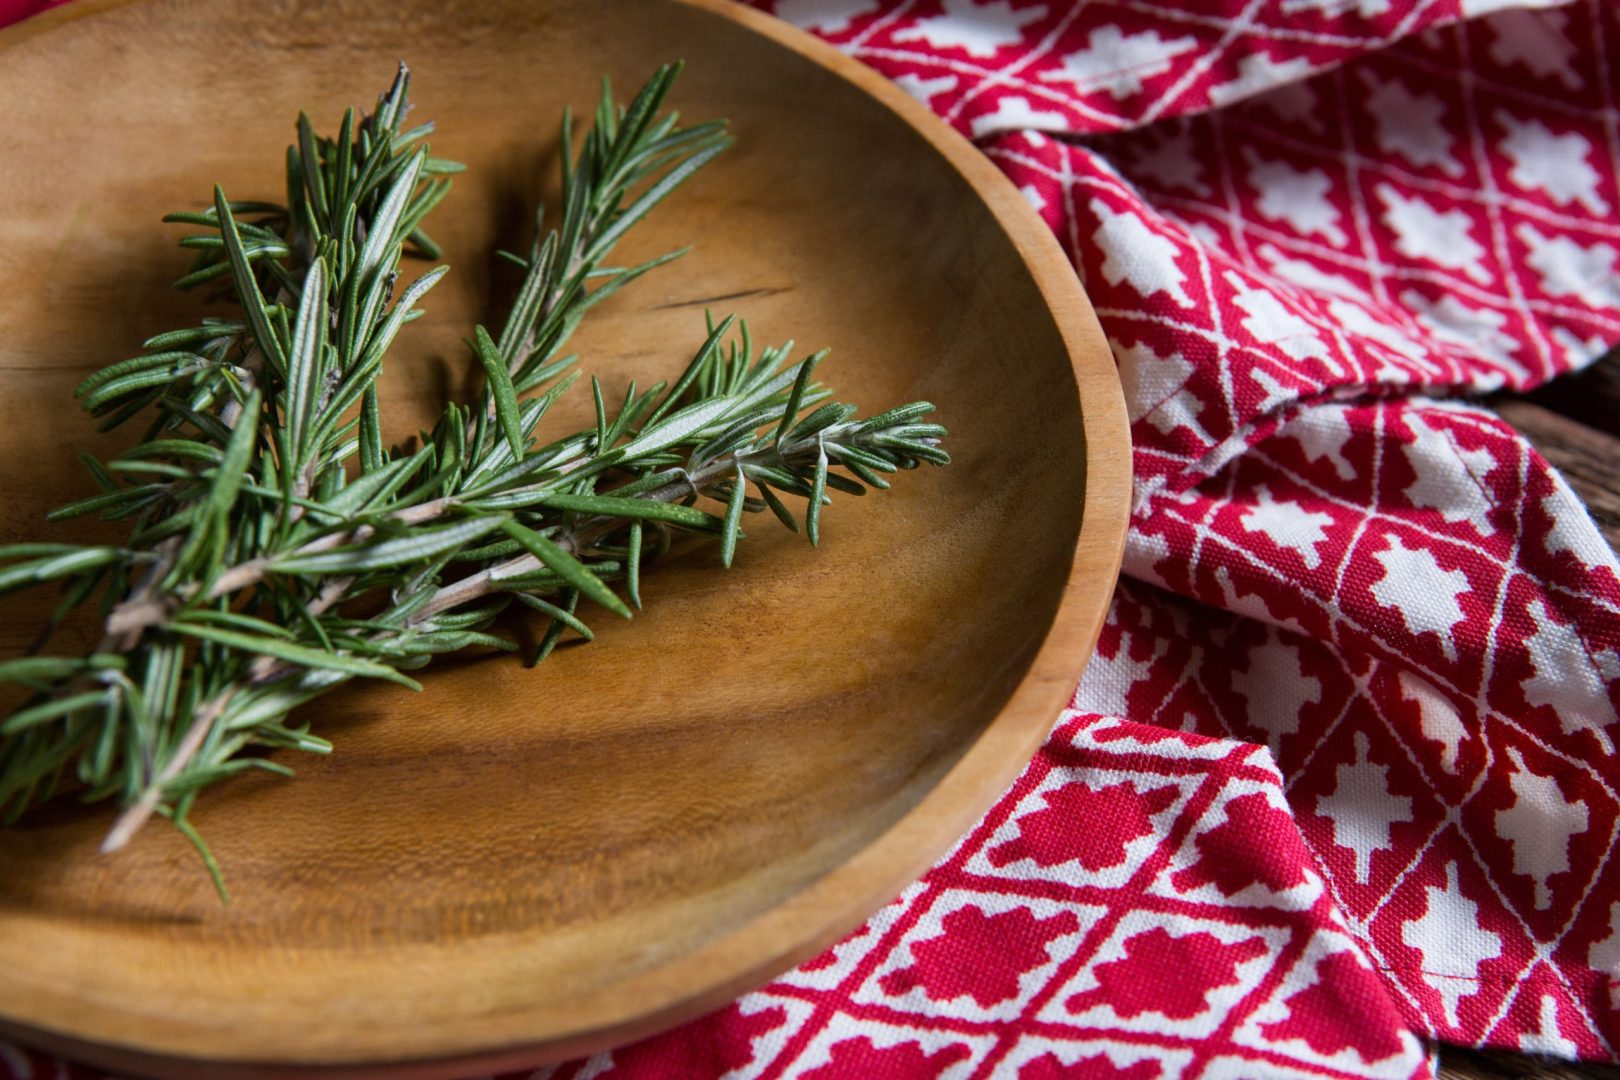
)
(1342, 775)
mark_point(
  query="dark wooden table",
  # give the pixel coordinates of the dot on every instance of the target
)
(1575, 423)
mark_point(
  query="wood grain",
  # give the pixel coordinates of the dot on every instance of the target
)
(1590, 396)
(1459, 1063)
(516, 865)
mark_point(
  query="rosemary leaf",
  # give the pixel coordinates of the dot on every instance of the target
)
(565, 566)
(293, 653)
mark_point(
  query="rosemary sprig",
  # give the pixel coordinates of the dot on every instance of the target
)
(277, 548)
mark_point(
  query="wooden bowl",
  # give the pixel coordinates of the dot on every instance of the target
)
(523, 865)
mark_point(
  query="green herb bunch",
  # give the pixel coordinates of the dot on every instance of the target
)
(277, 547)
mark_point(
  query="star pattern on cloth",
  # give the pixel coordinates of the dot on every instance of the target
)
(1214, 957)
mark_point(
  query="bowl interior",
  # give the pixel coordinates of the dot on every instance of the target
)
(519, 842)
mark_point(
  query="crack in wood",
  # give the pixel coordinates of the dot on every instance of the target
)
(768, 290)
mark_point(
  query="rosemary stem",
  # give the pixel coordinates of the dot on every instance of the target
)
(142, 610)
(137, 813)
(487, 581)
(249, 366)
(263, 669)
(129, 619)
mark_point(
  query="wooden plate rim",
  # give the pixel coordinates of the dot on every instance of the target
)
(800, 927)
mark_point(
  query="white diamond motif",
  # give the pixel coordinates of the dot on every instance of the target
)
(1437, 717)
(1534, 41)
(1015, 113)
(1568, 269)
(1539, 826)
(1453, 943)
(1556, 164)
(1289, 525)
(1566, 679)
(1171, 160)
(1268, 320)
(1276, 687)
(1117, 63)
(1324, 433)
(1447, 477)
(1362, 808)
(1438, 236)
(1424, 594)
(1138, 255)
(980, 29)
(1296, 196)
(1412, 125)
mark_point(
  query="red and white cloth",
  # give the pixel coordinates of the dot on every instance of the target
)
(1342, 777)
